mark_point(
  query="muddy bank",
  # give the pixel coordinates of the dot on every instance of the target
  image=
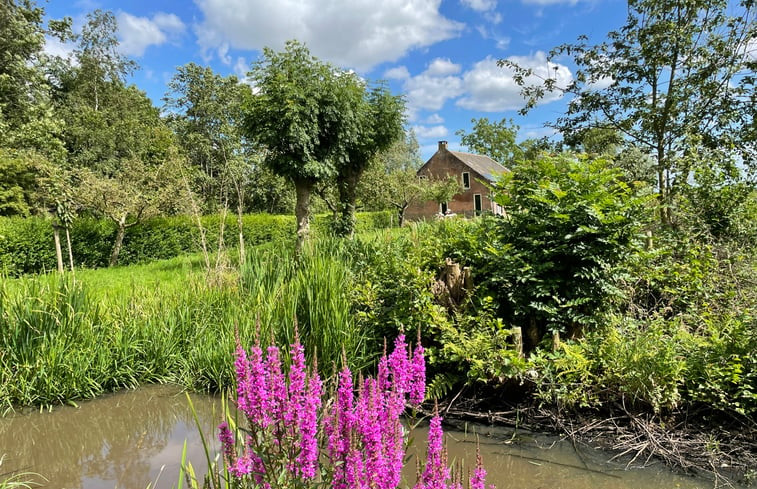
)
(702, 443)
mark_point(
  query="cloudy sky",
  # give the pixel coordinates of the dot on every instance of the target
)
(441, 54)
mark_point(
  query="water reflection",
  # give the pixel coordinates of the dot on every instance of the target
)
(122, 440)
(128, 440)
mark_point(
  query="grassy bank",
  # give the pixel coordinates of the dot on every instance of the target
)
(64, 339)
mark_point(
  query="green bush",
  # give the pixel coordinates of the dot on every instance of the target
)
(27, 246)
(556, 260)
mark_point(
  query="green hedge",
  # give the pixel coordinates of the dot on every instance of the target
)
(26, 244)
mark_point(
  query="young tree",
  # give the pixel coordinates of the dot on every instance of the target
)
(493, 139)
(205, 111)
(295, 115)
(675, 70)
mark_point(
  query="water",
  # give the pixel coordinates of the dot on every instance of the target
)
(135, 438)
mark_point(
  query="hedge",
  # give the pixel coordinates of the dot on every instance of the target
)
(26, 244)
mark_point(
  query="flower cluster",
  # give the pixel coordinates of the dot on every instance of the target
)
(363, 438)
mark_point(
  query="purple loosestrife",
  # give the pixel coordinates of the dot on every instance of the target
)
(478, 479)
(257, 391)
(436, 473)
(418, 378)
(226, 437)
(338, 427)
(308, 427)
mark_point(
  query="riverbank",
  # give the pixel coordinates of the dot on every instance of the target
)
(702, 443)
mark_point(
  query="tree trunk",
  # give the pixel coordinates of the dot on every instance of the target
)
(347, 185)
(241, 235)
(401, 214)
(58, 252)
(119, 242)
(303, 190)
(70, 251)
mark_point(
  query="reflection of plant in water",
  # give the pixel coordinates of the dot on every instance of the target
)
(113, 438)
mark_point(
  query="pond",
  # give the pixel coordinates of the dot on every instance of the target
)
(135, 438)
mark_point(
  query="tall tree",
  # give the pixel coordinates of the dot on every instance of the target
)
(677, 69)
(205, 110)
(371, 122)
(493, 139)
(295, 115)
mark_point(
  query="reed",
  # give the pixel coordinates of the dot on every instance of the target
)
(63, 339)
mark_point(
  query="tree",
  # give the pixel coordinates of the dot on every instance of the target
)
(493, 139)
(205, 111)
(676, 69)
(371, 122)
(134, 192)
(441, 190)
(118, 147)
(296, 115)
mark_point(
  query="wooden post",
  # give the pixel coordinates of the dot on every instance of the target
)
(518, 340)
(555, 340)
(58, 251)
(649, 243)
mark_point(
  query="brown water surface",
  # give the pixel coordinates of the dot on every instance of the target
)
(135, 438)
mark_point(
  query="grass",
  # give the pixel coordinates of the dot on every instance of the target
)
(64, 338)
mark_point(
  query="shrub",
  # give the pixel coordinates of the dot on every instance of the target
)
(555, 261)
(26, 244)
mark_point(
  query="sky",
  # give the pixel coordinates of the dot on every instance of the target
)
(440, 54)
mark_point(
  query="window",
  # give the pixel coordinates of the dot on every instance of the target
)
(444, 207)
(466, 180)
(477, 203)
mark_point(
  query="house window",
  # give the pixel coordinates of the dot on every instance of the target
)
(466, 180)
(444, 207)
(477, 203)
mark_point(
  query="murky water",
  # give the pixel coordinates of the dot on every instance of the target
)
(135, 438)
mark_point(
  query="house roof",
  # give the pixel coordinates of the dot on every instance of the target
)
(483, 165)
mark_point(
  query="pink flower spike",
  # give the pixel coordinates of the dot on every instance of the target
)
(478, 479)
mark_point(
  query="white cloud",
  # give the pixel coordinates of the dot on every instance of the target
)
(433, 132)
(430, 92)
(442, 67)
(54, 47)
(550, 2)
(480, 5)
(353, 33)
(397, 73)
(138, 33)
(490, 88)
(750, 49)
(434, 119)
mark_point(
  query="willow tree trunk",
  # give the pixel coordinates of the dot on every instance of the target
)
(119, 241)
(303, 190)
(347, 186)
(70, 251)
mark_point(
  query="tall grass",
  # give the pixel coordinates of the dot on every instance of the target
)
(61, 341)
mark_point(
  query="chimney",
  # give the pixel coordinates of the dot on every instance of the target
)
(442, 145)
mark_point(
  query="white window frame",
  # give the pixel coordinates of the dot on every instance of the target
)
(466, 187)
(479, 211)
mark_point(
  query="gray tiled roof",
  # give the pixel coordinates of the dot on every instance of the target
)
(483, 165)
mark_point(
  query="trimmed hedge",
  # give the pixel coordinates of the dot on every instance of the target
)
(26, 244)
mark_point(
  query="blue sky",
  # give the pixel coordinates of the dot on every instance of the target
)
(441, 54)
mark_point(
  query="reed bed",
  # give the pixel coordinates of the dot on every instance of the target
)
(63, 340)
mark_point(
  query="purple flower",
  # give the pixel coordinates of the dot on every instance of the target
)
(308, 427)
(478, 479)
(418, 377)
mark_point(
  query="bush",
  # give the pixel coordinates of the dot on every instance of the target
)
(26, 244)
(555, 261)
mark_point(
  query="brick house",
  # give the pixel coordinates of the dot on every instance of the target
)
(473, 171)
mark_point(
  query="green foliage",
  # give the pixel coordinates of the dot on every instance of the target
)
(555, 261)
(493, 139)
(26, 245)
(672, 77)
(16, 183)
